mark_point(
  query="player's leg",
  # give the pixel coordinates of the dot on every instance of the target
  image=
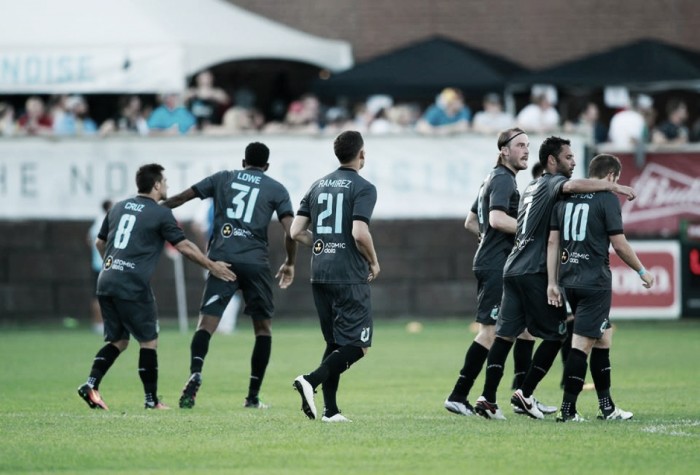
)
(522, 357)
(259, 361)
(227, 324)
(601, 371)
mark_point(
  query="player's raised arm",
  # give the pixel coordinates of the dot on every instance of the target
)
(179, 199)
(587, 185)
(218, 268)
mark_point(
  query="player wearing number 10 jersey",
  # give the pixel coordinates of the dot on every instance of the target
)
(337, 209)
(244, 202)
(130, 241)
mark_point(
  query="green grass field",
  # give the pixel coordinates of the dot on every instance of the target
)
(394, 396)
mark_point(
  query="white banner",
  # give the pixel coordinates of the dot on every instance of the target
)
(91, 70)
(416, 177)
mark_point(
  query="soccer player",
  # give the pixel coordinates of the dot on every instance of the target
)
(131, 240)
(524, 303)
(244, 201)
(582, 228)
(493, 219)
(338, 207)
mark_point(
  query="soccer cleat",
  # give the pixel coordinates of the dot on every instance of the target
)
(338, 417)
(527, 404)
(461, 408)
(575, 417)
(92, 397)
(544, 409)
(255, 404)
(489, 410)
(306, 392)
(617, 415)
(189, 392)
(157, 406)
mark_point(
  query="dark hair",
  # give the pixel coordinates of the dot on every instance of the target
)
(106, 205)
(504, 139)
(347, 145)
(603, 164)
(256, 154)
(147, 176)
(673, 104)
(537, 170)
(551, 146)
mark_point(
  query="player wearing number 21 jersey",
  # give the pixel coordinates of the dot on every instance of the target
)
(333, 219)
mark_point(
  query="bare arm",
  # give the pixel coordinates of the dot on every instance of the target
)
(500, 221)
(285, 274)
(365, 244)
(553, 292)
(100, 245)
(179, 199)
(471, 224)
(629, 257)
(587, 185)
(217, 268)
(299, 231)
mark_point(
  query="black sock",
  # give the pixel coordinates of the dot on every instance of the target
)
(574, 376)
(258, 364)
(522, 358)
(198, 350)
(330, 385)
(600, 371)
(101, 364)
(473, 362)
(148, 372)
(566, 347)
(495, 362)
(544, 356)
(337, 362)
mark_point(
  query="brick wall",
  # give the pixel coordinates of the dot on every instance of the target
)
(426, 271)
(535, 33)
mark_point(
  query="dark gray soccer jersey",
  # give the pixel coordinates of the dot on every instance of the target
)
(499, 191)
(529, 254)
(244, 201)
(135, 231)
(585, 221)
(331, 204)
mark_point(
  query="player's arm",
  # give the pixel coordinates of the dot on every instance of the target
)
(285, 274)
(624, 250)
(587, 185)
(299, 230)
(179, 199)
(365, 244)
(553, 292)
(471, 224)
(101, 245)
(499, 219)
(217, 268)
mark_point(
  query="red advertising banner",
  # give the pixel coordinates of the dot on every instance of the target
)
(631, 299)
(668, 190)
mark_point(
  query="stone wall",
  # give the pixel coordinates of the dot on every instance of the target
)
(426, 271)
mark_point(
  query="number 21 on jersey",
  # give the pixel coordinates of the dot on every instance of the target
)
(330, 219)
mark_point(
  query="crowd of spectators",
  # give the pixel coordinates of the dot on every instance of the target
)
(206, 109)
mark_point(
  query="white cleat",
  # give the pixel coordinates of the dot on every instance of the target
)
(617, 415)
(460, 408)
(544, 409)
(335, 418)
(489, 410)
(307, 396)
(527, 404)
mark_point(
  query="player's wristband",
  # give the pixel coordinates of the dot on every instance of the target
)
(641, 271)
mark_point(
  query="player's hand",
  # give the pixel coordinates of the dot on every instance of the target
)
(285, 275)
(220, 270)
(373, 271)
(625, 190)
(554, 295)
(648, 279)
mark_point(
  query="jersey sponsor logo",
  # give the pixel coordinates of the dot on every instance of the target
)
(573, 257)
(564, 256)
(365, 334)
(108, 262)
(118, 264)
(226, 230)
(321, 247)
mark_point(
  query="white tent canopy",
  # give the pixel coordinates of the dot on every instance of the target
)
(92, 46)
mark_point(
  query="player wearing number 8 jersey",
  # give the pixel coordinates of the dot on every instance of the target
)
(131, 240)
(524, 302)
(244, 202)
(338, 208)
(582, 228)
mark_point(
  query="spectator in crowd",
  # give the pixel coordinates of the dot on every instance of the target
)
(73, 117)
(303, 115)
(539, 116)
(205, 101)
(7, 116)
(448, 115)
(237, 120)
(589, 124)
(130, 119)
(171, 118)
(628, 127)
(492, 119)
(35, 120)
(673, 130)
